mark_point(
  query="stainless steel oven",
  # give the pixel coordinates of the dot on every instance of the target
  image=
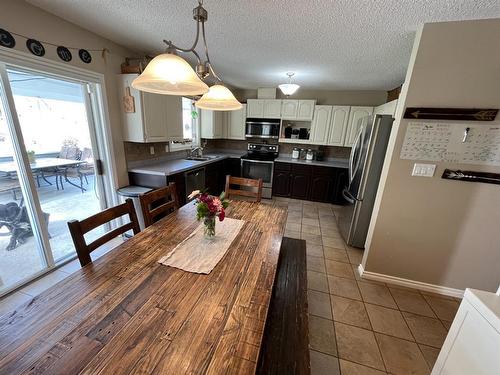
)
(259, 163)
(262, 128)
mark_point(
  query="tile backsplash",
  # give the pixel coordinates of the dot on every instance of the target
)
(135, 152)
(285, 148)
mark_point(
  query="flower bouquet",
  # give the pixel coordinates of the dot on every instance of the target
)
(208, 207)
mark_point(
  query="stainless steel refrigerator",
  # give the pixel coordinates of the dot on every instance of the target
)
(365, 165)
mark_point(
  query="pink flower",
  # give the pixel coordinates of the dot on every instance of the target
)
(217, 203)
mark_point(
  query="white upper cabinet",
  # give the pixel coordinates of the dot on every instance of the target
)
(358, 117)
(213, 124)
(305, 110)
(338, 127)
(289, 109)
(264, 108)
(156, 118)
(255, 108)
(272, 108)
(236, 123)
(321, 124)
(301, 110)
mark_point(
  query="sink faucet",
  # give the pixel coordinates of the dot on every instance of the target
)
(198, 150)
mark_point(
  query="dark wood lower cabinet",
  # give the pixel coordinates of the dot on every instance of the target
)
(299, 181)
(281, 183)
(322, 188)
(299, 186)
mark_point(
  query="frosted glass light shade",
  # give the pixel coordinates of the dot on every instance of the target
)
(219, 98)
(288, 88)
(170, 74)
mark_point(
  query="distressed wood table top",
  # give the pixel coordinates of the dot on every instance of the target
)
(127, 314)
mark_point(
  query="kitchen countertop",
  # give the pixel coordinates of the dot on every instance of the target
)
(333, 163)
(174, 166)
(170, 167)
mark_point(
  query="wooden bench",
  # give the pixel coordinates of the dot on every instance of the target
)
(285, 345)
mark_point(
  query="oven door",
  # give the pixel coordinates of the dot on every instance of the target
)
(256, 169)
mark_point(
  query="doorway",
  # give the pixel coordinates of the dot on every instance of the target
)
(50, 169)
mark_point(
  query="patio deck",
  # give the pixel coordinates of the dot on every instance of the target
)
(62, 206)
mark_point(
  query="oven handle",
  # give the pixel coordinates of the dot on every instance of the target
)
(257, 161)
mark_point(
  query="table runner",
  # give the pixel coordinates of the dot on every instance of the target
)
(199, 254)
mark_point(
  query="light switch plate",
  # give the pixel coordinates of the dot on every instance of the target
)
(423, 170)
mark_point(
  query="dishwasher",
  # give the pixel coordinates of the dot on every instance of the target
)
(195, 180)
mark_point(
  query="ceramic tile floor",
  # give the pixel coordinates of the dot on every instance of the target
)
(356, 327)
(359, 326)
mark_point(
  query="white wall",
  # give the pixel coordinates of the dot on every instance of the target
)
(432, 230)
(25, 19)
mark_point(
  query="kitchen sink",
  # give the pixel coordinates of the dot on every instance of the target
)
(199, 158)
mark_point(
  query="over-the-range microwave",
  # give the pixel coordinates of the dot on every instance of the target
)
(262, 128)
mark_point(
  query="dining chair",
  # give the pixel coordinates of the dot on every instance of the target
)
(159, 203)
(78, 229)
(247, 187)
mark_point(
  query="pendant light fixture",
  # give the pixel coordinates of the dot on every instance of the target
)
(289, 88)
(172, 75)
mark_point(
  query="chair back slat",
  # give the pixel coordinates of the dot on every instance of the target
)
(104, 217)
(159, 203)
(244, 182)
(109, 236)
(78, 229)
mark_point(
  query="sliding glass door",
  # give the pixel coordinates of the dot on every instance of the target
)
(21, 249)
(49, 164)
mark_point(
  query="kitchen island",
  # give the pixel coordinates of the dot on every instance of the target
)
(126, 313)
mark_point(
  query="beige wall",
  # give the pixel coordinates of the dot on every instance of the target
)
(326, 97)
(22, 18)
(432, 230)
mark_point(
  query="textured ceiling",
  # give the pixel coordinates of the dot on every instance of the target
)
(330, 44)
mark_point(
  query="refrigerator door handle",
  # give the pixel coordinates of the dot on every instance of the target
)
(353, 152)
(348, 196)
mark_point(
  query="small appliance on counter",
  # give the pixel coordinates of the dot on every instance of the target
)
(303, 133)
(295, 153)
(310, 154)
(295, 134)
(288, 131)
(320, 154)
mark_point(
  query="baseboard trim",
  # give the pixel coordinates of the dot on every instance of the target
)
(438, 289)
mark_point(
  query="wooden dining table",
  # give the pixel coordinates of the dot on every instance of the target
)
(127, 314)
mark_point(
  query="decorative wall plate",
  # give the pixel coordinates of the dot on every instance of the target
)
(6, 39)
(64, 53)
(35, 47)
(85, 56)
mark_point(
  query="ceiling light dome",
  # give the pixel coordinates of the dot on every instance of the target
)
(219, 98)
(289, 88)
(170, 74)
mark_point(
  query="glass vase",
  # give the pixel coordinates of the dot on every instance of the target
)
(209, 223)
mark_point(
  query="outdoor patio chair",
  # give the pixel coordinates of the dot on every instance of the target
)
(86, 168)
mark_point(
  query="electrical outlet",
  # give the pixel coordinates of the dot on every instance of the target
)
(166, 148)
(423, 170)
(152, 150)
